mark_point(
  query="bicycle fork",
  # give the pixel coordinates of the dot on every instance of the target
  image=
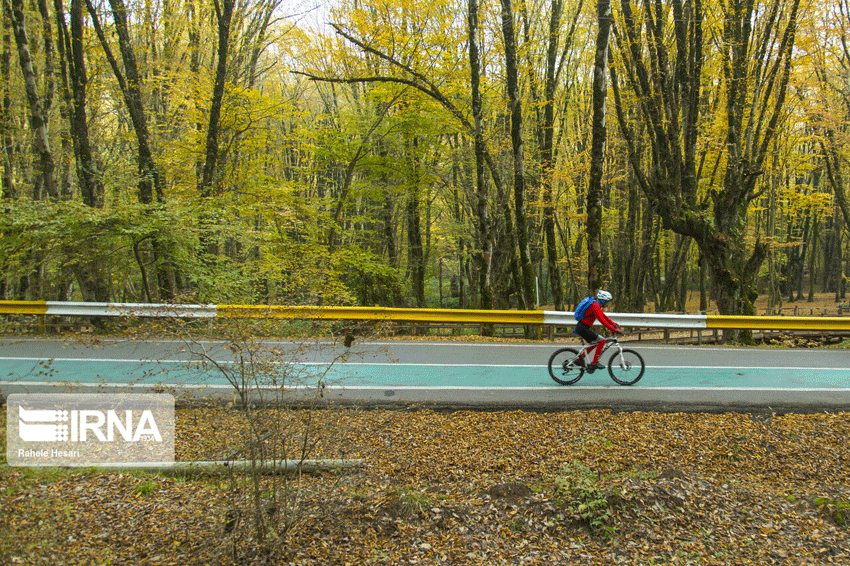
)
(620, 359)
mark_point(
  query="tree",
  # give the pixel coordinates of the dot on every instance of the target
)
(546, 139)
(91, 276)
(72, 52)
(484, 249)
(150, 181)
(224, 15)
(8, 186)
(831, 58)
(597, 150)
(670, 92)
(526, 294)
(418, 80)
(39, 105)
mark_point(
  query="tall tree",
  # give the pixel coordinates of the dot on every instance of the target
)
(484, 250)
(224, 15)
(595, 276)
(8, 186)
(150, 180)
(72, 52)
(39, 105)
(150, 183)
(831, 64)
(89, 271)
(526, 291)
(669, 92)
(548, 153)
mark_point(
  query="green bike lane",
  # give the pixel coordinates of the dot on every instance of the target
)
(88, 372)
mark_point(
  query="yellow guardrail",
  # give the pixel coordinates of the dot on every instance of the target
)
(778, 322)
(450, 316)
(23, 307)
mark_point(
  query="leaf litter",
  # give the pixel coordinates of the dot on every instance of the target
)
(466, 487)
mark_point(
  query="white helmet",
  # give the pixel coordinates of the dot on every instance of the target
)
(603, 296)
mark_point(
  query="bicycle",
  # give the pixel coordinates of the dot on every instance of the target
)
(567, 365)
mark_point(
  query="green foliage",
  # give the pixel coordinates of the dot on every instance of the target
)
(368, 278)
(583, 499)
(219, 252)
(57, 238)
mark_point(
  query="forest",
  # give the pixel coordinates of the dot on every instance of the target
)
(448, 153)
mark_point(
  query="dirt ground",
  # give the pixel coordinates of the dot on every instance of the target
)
(463, 488)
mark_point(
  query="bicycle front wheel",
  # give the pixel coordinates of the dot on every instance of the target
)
(626, 367)
(564, 366)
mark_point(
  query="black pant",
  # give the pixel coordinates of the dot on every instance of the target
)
(587, 333)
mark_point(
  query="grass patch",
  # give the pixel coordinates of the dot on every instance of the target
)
(836, 511)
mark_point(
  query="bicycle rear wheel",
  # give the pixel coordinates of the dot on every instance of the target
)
(563, 367)
(626, 367)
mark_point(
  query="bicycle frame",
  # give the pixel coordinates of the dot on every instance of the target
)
(608, 342)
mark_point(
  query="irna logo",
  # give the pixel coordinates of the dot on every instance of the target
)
(89, 429)
(40, 425)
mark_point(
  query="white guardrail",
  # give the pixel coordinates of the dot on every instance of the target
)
(639, 320)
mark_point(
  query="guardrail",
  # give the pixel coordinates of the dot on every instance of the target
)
(458, 316)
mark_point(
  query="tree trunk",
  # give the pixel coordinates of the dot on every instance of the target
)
(832, 255)
(547, 161)
(813, 248)
(8, 186)
(224, 15)
(7, 189)
(88, 178)
(595, 275)
(44, 185)
(526, 291)
(834, 175)
(484, 253)
(415, 252)
(150, 182)
(774, 298)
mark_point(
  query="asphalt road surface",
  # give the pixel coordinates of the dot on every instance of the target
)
(438, 374)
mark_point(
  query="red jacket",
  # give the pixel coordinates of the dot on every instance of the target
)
(594, 312)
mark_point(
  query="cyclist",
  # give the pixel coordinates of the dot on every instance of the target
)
(592, 314)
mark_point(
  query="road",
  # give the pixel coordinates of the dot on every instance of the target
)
(443, 374)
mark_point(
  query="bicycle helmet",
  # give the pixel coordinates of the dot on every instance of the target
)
(603, 296)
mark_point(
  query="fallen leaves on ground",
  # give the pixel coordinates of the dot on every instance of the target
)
(576, 487)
